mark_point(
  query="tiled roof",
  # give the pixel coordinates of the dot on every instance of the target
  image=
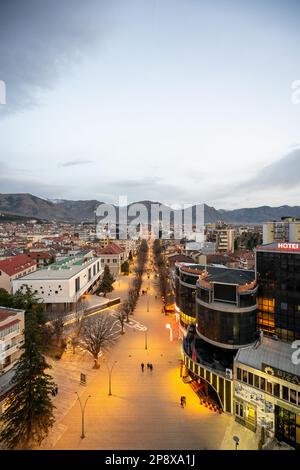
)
(111, 249)
(16, 264)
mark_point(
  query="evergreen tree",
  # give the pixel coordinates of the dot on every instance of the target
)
(107, 281)
(29, 412)
(125, 267)
(130, 257)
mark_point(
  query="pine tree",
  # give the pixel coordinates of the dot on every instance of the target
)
(107, 281)
(29, 412)
(125, 267)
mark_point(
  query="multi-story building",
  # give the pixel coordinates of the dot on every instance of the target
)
(11, 338)
(113, 255)
(287, 230)
(278, 276)
(217, 316)
(267, 390)
(225, 240)
(14, 268)
(61, 285)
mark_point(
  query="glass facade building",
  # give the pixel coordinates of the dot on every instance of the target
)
(278, 276)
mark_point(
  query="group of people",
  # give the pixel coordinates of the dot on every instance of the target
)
(149, 366)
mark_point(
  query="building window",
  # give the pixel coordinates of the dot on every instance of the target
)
(293, 396)
(276, 390)
(262, 383)
(285, 393)
(245, 376)
(256, 381)
(269, 388)
(239, 373)
(250, 378)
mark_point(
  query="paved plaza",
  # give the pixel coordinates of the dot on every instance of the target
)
(144, 409)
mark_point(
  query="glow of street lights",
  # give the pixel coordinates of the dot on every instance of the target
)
(168, 326)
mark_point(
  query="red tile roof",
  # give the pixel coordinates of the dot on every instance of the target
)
(6, 313)
(40, 255)
(14, 322)
(111, 249)
(16, 264)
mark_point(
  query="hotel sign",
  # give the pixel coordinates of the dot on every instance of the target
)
(288, 246)
(281, 374)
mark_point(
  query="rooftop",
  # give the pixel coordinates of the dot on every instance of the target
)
(65, 268)
(280, 247)
(271, 352)
(6, 313)
(111, 249)
(220, 274)
(16, 264)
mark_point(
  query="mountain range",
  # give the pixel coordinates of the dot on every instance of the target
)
(27, 205)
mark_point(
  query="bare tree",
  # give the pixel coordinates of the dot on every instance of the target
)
(121, 317)
(78, 325)
(99, 334)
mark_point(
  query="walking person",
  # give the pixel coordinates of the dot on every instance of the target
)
(142, 366)
(151, 367)
(56, 390)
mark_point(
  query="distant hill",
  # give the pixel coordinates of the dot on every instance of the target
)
(27, 205)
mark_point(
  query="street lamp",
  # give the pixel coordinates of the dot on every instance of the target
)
(109, 370)
(168, 326)
(82, 414)
(237, 441)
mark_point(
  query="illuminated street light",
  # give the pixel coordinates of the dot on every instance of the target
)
(82, 414)
(168, 326)
(109, 370)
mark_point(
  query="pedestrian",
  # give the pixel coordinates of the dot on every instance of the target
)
(53, 392)
(56, 390)
(142, 366)
(148, 365)
(151, 367)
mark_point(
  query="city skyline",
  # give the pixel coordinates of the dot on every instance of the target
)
(183, 102)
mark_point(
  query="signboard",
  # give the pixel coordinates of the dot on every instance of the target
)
(281, 374)
(288, 246)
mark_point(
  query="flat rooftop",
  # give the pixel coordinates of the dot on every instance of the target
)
(220, 274)
(64, 268)
(271, 352)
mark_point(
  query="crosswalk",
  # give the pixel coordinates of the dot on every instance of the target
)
(132, 323)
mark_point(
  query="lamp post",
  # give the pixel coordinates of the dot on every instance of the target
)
(168, 326)
(82, 414)
(109, 370)
(236, 441)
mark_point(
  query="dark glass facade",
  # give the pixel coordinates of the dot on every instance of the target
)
(230, 328)
(278, 276)
(287, 426)
(185, 292)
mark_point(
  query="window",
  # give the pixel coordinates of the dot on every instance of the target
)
(276, 390)
(239, 373)
(293, 396)
(262, 383)
(269, 388)
(256, 381)
(245, 376)
(250, 378)
(285, 393)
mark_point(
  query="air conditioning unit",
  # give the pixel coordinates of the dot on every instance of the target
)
(228, 373)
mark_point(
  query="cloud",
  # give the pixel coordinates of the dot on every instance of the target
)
(282, 174)
(40, 41)
(76, 163)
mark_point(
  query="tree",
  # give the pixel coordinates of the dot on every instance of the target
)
(5, 298)
(125, 267)
(29, 413)
(99, 334)
(107, 281)
(121, 317)
(78, 325)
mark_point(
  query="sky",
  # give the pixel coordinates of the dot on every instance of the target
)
(177, 101)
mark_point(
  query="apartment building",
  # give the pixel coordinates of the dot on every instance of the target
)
(225, 240)
(14, 268)
(287, 230)
(11, 339)
(113, 255)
